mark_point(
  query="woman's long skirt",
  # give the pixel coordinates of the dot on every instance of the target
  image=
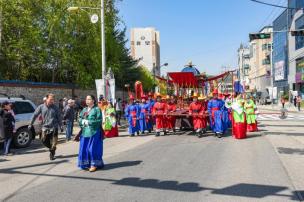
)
(91, 151)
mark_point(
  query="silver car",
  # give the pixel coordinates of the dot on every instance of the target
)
(23, 110)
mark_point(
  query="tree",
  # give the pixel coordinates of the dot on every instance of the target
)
(43, 42)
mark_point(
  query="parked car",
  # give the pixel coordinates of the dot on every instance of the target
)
(263, 98)
(23, 110)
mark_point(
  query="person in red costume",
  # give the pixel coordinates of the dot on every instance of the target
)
(202, 100)
(159, 112)
(171, 108)
(196, 110)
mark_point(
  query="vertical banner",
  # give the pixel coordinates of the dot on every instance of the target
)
(111, 93)
(99, 87)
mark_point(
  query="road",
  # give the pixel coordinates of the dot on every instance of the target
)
(267, 166)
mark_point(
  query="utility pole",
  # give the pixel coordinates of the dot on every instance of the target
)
(103, 46)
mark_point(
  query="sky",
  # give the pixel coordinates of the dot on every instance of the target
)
(206, 32)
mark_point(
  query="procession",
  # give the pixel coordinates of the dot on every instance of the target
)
(189, 108)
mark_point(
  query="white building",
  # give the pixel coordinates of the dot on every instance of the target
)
(244, 64)
(260, 62)
(145, 47)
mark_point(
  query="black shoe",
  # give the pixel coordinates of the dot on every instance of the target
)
(143, 133)
(137, 133)
(150, 131)
(132, 135)
(157, 134)
(219, 135)
(200, 135)
(52, 155)
(165, 133)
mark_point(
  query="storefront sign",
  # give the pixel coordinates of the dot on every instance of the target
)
(279, 70)
(300, 70)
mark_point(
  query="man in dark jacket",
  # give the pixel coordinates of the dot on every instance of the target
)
(68, 117)
(8, 126)
(51, 121)
(2, 136)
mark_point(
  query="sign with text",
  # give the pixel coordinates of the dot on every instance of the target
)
(279, 70)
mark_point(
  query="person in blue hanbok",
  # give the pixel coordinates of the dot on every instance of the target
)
(145, 116)
(131, 114)
(215, 111)
(226, 110)
(91, 138)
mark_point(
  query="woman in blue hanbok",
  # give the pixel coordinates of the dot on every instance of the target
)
(91, 139)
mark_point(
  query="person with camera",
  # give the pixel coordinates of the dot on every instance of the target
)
(51, 121)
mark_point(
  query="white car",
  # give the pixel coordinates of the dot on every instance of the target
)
(23, 110)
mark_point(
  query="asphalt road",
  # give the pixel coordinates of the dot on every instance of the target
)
(178, 168)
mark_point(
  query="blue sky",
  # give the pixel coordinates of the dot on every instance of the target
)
(208, 32)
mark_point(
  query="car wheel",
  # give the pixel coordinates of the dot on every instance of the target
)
(23, 138)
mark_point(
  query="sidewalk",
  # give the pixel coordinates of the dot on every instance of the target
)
(275, 107)
(31, 167)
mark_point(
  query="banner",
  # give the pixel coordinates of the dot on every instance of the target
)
(99, 87)
(279, 70)
(109, 91)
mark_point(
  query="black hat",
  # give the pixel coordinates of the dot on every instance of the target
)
(5, 103)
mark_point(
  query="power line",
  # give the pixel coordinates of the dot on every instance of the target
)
(272, 14)
(274, 5)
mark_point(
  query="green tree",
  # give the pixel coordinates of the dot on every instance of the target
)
(43, 42)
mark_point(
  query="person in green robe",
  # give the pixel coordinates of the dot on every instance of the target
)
(238, 115)
(250, 109)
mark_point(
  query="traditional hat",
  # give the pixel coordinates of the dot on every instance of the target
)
(168, 97)
(157, 95)
(215, 91)
(131, 97)
(201, 97)
(226, 94)
(143, 96)
(195, 95)
(150, 94)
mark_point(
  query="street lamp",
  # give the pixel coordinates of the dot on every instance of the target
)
(163, 65)
(103, 42)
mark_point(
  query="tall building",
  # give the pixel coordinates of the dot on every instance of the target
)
(244, 65)
(260, 62)
(280, 64)
(145, 48)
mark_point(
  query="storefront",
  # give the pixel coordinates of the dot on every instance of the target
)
(300, 76)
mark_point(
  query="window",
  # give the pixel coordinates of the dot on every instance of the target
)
(138, 43)
(23, 108)
(266, 62)
(299, 39)
(147, 43)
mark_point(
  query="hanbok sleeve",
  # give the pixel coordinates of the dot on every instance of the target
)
(96, 117)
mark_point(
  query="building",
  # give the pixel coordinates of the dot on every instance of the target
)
(244, 65)
(280, 56)
(145, 47)
(296, 50)
(260, 62)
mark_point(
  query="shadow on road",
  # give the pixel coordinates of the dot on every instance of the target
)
(241, 190)
(158, 184)
(283, 150)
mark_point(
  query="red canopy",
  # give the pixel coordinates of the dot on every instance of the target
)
(183, 79)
